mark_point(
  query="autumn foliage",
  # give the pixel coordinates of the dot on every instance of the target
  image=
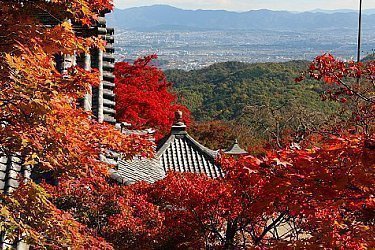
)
(307, 198)
(349, 83)
(318, 193)
(41, 124)
(144, 97)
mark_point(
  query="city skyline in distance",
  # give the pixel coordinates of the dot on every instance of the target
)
(246, 5)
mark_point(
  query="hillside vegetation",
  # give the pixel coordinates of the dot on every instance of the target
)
(370, 57)
(224, 91)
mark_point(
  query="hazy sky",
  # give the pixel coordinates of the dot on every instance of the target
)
(243, 5)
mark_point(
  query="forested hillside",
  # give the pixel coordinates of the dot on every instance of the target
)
(263, 97)
(224, 91)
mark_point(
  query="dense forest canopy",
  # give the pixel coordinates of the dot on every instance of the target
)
(222, 91)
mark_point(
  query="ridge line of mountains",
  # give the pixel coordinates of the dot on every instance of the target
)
(165, 17)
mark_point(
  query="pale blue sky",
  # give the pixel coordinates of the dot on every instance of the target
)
(244, 5)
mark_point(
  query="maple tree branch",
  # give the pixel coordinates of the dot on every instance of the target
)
(230, 233)
(215, 231)
(269, 227)
(210, 228)
(244, 240)
(251, 232)
(49, 13)
(354, 92)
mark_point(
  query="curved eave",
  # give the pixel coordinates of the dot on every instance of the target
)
(209, 152)
(165, 145)
(167, 142)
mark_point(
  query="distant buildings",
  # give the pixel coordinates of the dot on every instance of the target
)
(189, 50)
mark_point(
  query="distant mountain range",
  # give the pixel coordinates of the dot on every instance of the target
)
(164, 17)
(365, 12)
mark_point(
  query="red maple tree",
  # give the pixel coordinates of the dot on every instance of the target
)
(144, 97)
(308, 198)
(348, 82)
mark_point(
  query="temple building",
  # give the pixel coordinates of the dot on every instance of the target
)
(101, 100)
(177, 152)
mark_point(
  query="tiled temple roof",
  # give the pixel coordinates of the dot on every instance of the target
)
(177, 152)
(181, 153)
(140, 169)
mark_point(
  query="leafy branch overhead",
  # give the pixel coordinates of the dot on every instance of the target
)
(349, 82)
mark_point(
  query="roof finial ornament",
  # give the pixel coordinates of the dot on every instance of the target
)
(179, 126)
(178, 118)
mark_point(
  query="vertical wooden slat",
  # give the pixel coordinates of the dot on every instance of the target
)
(87, 102)
(100, 87)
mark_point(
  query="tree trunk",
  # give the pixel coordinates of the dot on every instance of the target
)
(230, 234)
